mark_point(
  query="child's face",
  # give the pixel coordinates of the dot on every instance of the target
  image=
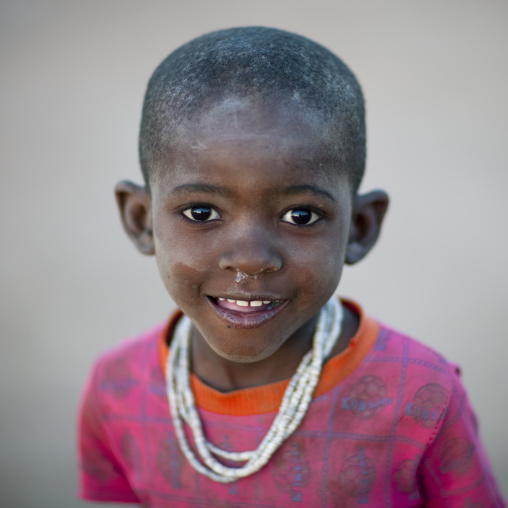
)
(243, 211)
(251, 226)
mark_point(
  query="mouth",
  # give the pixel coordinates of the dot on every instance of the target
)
(246, 313)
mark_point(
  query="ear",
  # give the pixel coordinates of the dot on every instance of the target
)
(367, 216)
(135, 207)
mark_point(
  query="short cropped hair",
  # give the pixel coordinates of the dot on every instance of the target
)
(260, 62)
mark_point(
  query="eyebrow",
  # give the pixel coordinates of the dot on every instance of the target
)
(299, 189)
(205, 188)
(216, 190)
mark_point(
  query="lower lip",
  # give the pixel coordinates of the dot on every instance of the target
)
(250, 319)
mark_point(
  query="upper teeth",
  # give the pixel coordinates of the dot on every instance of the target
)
(246, 303)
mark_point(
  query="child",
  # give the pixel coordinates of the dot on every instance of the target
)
(273, 393)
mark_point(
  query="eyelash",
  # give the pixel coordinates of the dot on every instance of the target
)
(286, 217)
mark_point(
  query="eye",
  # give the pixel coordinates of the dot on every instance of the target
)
(300, 216)
(201, 213)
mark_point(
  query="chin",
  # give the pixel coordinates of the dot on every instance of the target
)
(244, 356)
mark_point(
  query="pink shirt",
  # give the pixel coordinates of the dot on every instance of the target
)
(389, 425)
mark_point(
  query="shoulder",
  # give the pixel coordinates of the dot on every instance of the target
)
(131, 348)
(118, 370)
(394, 341)
(419, 382)
(389, 352)
(415, 357)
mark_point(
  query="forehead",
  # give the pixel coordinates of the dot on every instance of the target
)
(277, 133)
(283, 115)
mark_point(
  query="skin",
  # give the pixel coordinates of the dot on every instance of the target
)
(249, 169)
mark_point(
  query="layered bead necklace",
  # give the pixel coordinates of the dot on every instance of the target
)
(295, 402)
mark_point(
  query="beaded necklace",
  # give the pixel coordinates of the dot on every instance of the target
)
(293, 408)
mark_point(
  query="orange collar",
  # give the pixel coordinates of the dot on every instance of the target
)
(267, 398)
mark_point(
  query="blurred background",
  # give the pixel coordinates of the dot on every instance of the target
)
(73, 74)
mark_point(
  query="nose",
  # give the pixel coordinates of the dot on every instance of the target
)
(251, 251)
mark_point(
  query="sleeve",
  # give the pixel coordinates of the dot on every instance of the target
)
(455, 471)
(101, 477)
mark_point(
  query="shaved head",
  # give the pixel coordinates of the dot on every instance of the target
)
(259, 66)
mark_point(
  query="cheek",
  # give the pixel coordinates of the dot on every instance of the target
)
(318, 269)
(321, 280)
(181, 264)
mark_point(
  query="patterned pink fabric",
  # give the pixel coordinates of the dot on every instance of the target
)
(397, 432)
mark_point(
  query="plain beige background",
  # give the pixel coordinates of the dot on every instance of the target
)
(72, 78)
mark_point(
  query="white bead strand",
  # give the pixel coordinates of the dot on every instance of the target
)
(294, 406)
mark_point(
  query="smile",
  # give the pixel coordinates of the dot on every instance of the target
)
(247, 305)
(242, 313)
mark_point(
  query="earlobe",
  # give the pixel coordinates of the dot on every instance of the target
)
(135, 207)
(367, 217)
